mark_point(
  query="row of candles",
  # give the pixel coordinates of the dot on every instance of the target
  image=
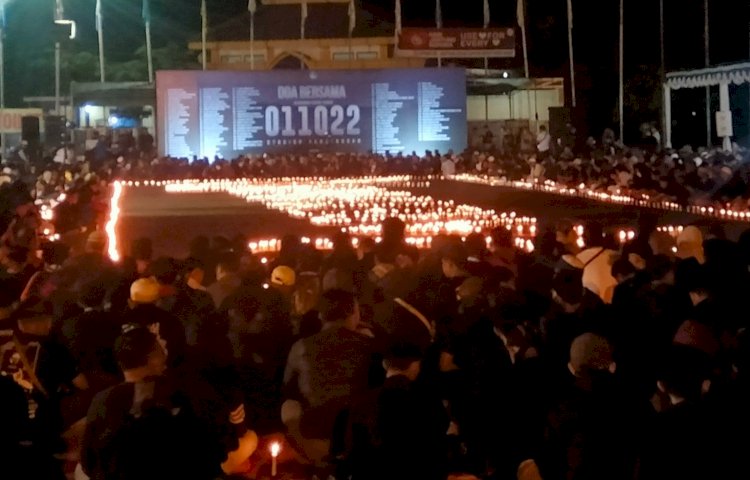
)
(523, 240)
(404, 181)
(638, 200)
(273, 245)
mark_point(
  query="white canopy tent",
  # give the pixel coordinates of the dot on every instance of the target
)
(736, 73)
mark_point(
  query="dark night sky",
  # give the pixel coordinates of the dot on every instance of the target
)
(29, 40)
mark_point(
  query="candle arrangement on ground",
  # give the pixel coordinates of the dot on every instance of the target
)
(359, 206)
(618, 197)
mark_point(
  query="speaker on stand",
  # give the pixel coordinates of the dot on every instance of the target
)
(30, 133)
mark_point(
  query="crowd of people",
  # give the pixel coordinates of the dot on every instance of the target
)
(703, 177)
(707, 177)
(470, 359)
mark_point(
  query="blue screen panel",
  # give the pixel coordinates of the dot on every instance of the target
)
(227, 114)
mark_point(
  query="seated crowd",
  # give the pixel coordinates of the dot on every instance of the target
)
(473, 359)
(710, 177)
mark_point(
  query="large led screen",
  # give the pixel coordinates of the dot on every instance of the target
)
(227, 114)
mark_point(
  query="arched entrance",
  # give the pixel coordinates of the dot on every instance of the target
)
(289, 61)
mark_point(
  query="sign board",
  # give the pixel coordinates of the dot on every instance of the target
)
(724, 124)
(457, 42)
(10, 118)
(228, 114)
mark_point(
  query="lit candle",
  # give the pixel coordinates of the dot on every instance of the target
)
(275, 449)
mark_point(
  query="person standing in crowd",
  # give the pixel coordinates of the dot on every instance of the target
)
(594, 429)
(227, 279)
(44, 374)
(323, 373)
(143, 311)
(543, 142)
(680, 443)
(397, 430)
(147, 427)
(498, 361)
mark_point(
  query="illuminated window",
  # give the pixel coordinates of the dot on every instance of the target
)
(339, 56)
(232, 59)
(367, 55)
(259, 58)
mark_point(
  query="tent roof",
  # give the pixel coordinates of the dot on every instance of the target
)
(736, 73)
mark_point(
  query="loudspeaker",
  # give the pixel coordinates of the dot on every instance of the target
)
(30, 130)
(559, 117)
(54, 131)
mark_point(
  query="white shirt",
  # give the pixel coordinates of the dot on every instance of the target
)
(64, 157)
(543, 141)
(448, 168)
(597, 275)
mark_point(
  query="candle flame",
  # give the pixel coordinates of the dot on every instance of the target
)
(275, 449)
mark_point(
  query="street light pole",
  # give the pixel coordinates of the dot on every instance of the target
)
(59, 16)
(61, 20)
(2, 82)
(3, 147)
(621, 91)
(57, 78)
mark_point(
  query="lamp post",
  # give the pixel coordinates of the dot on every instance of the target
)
(60, 20)
(2, 73)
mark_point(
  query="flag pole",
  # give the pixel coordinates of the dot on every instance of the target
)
(570, 54)
(352, 23)
(146, 15)
(439, 24)
(707, 59)
(302, 20)
(100, 37)
(521, 14)
(149, 57)
(621, 91)
(252, 6)
(204, 31)
(486, 12)
(252, 40)
(397, 18)
(2, 76)
(662, 70)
